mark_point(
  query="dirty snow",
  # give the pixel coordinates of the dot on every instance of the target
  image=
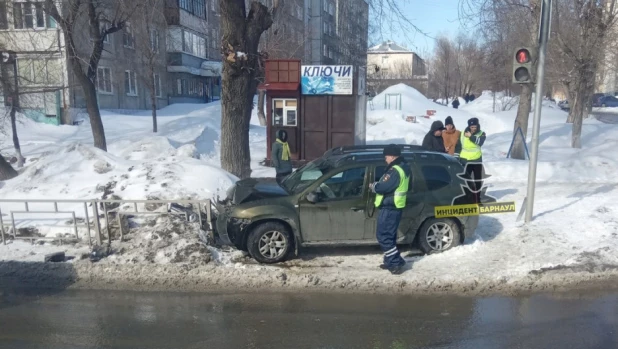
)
(570, 242)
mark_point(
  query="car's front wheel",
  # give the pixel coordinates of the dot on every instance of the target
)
(269, 242)
(439, 235)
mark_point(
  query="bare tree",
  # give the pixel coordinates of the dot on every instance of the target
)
(8, 80)
(84, 25)
(443, 67)
(241, 37)
(581, 28)
(148, 27)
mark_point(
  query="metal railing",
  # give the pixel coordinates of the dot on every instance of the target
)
(112, 210)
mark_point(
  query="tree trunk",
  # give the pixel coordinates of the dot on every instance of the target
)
(6, 170)
(153, 103)
(94, 114)
(576, 114)
(261, 114)
(20, 158)
(241, 33)
(521, 121)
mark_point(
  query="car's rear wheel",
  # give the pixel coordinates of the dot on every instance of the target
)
(603, 105)
(269, 242)
(439, 235)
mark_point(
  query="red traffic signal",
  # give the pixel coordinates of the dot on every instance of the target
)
(522, 56)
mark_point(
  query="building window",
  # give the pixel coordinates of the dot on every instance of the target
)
(157, 85)
(28, 15)
(127, 36)
(212, 5)
(39, 72)
(331, 9)
(325, 28)
(154, 40)
(194, 44)
(194, 7)
(104, 80)
(130, 83)
(102, 27)
(285, 112)
(325, 3)
(4, 22)
(325, 48)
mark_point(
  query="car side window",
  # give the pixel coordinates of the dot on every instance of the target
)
(343, 185)
(436, 177)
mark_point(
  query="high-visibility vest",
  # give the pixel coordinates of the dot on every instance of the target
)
(400, 193)
(469, 149)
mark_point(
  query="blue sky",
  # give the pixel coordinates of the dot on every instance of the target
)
(433, 17)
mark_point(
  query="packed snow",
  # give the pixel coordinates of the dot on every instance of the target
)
(571, 240)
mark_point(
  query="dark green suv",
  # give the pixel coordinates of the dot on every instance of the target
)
(328, 202)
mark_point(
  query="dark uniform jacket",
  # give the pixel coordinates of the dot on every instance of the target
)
(390, 181)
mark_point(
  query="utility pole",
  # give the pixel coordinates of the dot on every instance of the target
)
(544, 29)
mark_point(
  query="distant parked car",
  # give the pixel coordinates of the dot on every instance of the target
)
(596, 98)
(608, 101)
(564, 105)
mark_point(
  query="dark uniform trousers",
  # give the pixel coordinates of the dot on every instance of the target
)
(388, 222)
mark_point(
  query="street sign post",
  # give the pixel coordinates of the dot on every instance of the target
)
(538, 103)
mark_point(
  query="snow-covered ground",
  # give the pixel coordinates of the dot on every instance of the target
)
(570, 241)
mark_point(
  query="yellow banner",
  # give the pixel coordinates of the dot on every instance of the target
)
(474, 209)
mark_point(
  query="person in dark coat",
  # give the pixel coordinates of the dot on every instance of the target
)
(433, 140)
(456, 103)
(467, 98)
(280, 155)
(472, 97)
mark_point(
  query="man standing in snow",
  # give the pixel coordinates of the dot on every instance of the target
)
(433, 139)
(456, 103)
(391, 192)
(450, 136)
(469, 151)
(280, 155)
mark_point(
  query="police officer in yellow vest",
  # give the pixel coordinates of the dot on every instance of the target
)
(391, 193)
(468, 149)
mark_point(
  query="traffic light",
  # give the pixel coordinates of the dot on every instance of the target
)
(522, 66)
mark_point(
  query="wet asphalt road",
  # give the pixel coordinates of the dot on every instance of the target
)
(608, 118)
(88, 319)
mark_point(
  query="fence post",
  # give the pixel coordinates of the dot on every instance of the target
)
(97, 224)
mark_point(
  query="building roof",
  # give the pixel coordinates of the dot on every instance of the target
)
(388, 47)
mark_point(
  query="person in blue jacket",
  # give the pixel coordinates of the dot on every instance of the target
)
(391, 192)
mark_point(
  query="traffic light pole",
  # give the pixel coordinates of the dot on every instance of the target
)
(538, 103)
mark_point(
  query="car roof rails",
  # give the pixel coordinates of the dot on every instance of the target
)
(368, 148)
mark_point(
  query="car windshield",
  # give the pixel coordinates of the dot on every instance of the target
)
(300, 179)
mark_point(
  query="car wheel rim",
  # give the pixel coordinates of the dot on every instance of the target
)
(273, 244)
(439, 236)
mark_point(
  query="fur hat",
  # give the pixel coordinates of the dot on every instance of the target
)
(473, 122)
(392, 150)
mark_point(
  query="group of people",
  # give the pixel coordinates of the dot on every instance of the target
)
(467, 97)
(466, 145)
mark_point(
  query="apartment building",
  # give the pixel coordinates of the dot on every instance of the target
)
(194, 58)
(338, 32)
(181, 43)
(389, 63)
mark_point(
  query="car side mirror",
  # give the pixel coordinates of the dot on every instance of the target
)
(313, 197)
